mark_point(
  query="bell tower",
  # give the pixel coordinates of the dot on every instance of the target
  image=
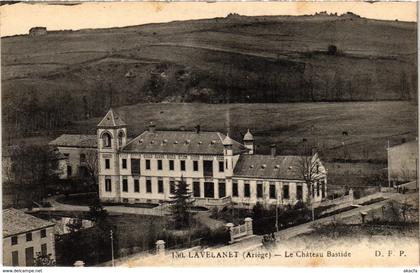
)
(111, 137)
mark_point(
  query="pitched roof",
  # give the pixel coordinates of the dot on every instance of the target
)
(181, 142)
(16, 222)
(248, 136)
(227, 140)
(409, 145)
(267, 166)
(83, 141)
(111, 119)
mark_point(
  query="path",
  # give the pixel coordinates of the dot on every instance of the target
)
(288, 233)
(57, 206)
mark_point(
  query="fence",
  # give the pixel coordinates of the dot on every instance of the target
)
(239, 231)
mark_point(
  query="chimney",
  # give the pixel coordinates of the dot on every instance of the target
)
(152, 127)
(273, 150)
(197, 128)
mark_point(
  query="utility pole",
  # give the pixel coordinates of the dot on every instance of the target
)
(112, 247)
(277, 208)
(389, 178)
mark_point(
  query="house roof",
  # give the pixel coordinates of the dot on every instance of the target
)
(181, 142)
(16, 222)
(267, 166)
(83, 141)
(111, 119)
(409, 145)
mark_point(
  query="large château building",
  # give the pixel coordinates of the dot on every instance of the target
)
(218, 169)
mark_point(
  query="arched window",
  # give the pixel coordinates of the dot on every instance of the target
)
(82, 158)
(120, 138)
(106, 139)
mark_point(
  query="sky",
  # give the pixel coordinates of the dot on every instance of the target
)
(19, 18)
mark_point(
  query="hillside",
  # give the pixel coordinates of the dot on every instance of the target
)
(69, 75)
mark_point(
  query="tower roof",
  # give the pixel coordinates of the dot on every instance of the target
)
(248, 136)
(227, 140)
(111, 119)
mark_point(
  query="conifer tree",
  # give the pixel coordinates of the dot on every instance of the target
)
(180, 204)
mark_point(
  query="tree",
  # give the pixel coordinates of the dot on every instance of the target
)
(181, 204)
(90, 164)
(308, 168)
(97, 213)
(43, 260)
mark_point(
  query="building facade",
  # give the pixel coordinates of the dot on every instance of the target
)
(218, 169)
(403, 162)
(24, 236)
(76, 153)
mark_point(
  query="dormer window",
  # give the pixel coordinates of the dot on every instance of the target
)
(106, 140)
(263, 166)
(176, 142)
(213, 142)
(251, 166)
(277, 167)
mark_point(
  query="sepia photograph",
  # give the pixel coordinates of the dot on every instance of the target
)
(209, 134)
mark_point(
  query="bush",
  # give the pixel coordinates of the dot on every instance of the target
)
(217, 236)
(332, 50)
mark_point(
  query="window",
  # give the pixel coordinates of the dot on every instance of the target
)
(124, 163)
(273, 192)
(135, 166)
(82, 158)
(317, 189)
(285, 191)
(313, 190)
(323, 189)
(159, 163)
(44, 249)
(160, 185)
(29, 256)
(172, 186)
(29, 236)
(317, 168)
(147, 164)
(196, 189)
(43, 233)
(195, 166)
(107, 163)
(136, 185)
(222, 188)
(171, 165)
(227, 164)
(69, 171)
(247, 191)
(299, 192)
(208, 168)
(221, 167)
(125, 184)
(209, 189)
(182, 165)
(120, 138)
(106, 140)
(148, 185)
(108, 187)
(259, 190)
(235, 189)
(14, 240)
(15, 258)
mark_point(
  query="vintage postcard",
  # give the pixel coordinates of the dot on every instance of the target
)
(209, 134)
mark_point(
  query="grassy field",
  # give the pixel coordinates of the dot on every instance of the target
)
(275, 58)
(369, 127)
